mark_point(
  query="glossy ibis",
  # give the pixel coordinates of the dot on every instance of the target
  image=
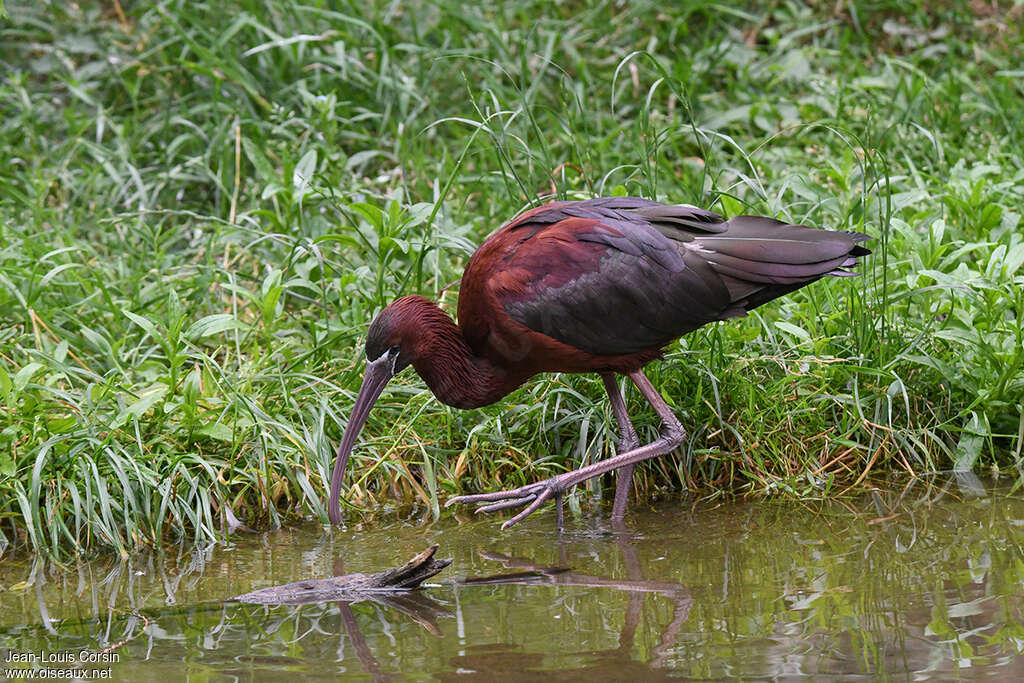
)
(601, 286)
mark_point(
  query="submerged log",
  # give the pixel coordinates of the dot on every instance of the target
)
(351, 587)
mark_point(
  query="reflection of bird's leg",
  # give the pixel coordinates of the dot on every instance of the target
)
(634, 573)
(627, 442)
(365, 656)
(535, 495)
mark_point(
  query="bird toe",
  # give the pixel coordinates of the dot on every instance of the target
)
(505, 504)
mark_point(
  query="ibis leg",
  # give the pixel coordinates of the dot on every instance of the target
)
(535, 495)
(628, 441)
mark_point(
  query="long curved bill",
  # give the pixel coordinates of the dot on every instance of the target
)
(378, 372)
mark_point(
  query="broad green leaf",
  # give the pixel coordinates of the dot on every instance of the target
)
(21, 379)
(213, 324)
(149, 398)
(303, 174)
(798, 332)
(145, 323)
(61, 424)
(259, 160)
(373, 215)
(971, 440)
(61, 352)
(1014, 259)
(218, 431)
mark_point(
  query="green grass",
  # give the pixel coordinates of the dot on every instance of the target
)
(204, 204)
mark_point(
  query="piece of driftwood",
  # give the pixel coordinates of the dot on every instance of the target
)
(351, 587)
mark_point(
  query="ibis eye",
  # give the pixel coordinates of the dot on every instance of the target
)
(395, 350)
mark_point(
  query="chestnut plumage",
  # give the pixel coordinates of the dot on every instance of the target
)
(600, 285)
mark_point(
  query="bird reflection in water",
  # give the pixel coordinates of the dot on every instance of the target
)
(501, 661)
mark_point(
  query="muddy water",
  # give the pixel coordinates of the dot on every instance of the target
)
(921, 583)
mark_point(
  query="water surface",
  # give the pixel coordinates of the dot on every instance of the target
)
(920, 583)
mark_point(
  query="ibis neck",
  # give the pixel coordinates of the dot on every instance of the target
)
(457, 376)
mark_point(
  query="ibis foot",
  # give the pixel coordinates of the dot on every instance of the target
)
(535, 495)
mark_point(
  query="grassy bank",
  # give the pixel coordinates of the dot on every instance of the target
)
(203, 204)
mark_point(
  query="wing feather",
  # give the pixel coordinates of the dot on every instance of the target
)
(624, 275)
(616, 285)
